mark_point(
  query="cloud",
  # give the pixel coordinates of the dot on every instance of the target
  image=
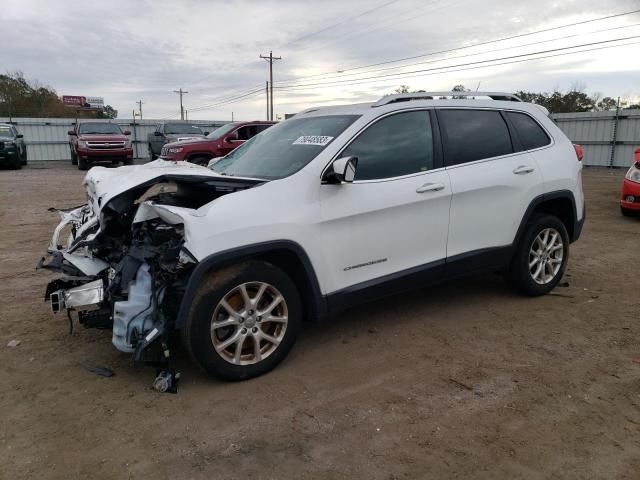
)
(126, 51)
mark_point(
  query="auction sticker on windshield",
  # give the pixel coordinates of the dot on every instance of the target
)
(321, 140)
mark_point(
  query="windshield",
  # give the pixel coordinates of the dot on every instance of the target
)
(182, 128)
(283, 149)
(6, 132)
(99, 128)
(220, 131)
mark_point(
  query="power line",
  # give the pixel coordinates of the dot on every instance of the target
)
(349, 82)
(465, 67)
(484, 52)
(381, 26)
(232, 100)
(488, 42)
(324, 29)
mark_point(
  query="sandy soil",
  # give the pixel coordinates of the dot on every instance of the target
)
(464, 380)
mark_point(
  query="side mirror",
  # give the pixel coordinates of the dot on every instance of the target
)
(206, 133)
(157, 133)
(127, 132)
(19, 135)
(71, 132)
(342, 170)
(233, 137)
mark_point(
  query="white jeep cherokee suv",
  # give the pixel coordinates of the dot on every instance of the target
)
(329, 209)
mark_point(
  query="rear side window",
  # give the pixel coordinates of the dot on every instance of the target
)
(530, 133)
(471, 135)
(397, 145)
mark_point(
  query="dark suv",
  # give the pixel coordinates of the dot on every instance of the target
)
(13, 151)
(217, 144)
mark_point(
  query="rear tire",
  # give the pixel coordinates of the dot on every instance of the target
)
(253, 307)
(541, 256)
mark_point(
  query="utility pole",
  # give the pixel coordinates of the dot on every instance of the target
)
(186, 115)
(267, 92)
(140, 103)
(270, 58)
(181, 92)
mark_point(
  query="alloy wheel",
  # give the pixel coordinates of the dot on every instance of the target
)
(545, 256)
(249, 323)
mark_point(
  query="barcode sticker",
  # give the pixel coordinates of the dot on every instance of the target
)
(321, 140)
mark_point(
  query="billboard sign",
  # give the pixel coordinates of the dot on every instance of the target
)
(83, 103)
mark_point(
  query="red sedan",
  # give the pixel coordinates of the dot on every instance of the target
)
(630, 195)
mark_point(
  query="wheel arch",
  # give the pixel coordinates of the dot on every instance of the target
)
(285, 254)
(561, 204)
(191, 155)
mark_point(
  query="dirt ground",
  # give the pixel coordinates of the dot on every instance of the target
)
(465, 380)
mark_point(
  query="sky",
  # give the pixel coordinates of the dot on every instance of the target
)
(333, 52)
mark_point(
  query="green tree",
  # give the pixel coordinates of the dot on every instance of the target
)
(20, 97)
(607, 103)
(108, 112)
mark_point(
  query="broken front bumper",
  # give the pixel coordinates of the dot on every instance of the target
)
(84, 297)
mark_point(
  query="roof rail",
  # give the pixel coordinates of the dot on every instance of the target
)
(406, 97)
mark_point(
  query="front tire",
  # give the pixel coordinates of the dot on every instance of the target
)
(541, 256)
(200, 160)
(243, 321)
(82, 163)
(24, 157)
(627, 212)
(74, 158)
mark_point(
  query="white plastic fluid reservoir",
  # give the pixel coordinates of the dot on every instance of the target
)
(134, 312)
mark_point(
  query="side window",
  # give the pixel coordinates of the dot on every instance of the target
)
(471, 135)
(531, 134)
(262, 128)
(246, 132)
(396, 145)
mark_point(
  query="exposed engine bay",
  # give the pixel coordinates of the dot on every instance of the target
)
(123, 263)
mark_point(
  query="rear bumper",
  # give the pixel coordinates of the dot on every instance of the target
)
(630, 189)
(577, 228)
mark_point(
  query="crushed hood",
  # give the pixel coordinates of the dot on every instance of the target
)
(102, 184)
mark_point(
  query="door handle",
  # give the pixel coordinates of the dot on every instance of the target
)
(430, 187)
(523, 170)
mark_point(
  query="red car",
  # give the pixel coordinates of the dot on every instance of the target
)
(217, 144)
(93, 142)
(630, 195)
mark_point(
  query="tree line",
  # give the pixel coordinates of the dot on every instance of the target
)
(20, 97)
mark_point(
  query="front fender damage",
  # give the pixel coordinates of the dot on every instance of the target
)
(123, 261)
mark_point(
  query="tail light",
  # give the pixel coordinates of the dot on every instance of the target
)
(637, 155)
(580, 153)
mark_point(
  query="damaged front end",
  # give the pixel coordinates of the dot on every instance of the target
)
(123, 259)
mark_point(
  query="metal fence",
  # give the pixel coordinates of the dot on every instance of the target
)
(608, 138)
(47, 139)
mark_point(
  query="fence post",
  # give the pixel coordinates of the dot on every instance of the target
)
(614, 135)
